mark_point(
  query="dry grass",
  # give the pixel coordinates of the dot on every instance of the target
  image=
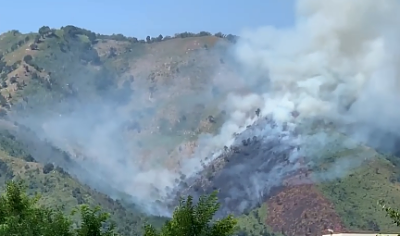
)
(18, 54)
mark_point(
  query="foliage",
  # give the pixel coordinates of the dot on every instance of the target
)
(20, 215)
(354, 192)
(392, 213)
(93, 222)
(17, 160)
(190, 220)
(253, 223)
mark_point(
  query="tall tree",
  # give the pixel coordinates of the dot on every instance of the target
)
(20, 215)
(195, 219)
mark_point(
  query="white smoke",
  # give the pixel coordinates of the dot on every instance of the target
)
(339, 54)
(339, 63)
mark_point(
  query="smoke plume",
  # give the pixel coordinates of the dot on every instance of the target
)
(338, 65)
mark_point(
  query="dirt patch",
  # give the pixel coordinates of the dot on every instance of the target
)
(302, 210)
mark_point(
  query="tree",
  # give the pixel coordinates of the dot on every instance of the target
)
(112, 53)
(219, 35)
(232, 38)
(20, 215)
(3, 101)
(190, 220)
(28, 59)
(34, 46)
(44, 30)
(93, 221)
(392, 213)
(48, 168)
(204, 33)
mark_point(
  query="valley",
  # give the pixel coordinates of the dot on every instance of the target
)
(132, 125)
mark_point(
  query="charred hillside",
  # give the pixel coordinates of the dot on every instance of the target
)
(252, 169)
(121, 115)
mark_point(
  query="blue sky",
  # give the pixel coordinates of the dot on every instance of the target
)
(148, 17)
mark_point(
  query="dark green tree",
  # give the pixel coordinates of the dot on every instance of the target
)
(28, 59)
(44, 30)
(191, 219)
(94, 222)
(392, 213)
(20, 215)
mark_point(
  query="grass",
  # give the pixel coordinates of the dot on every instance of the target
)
(355, 196)
(253, 223)
(63, 58)
(354, 179)
(57, 185)
(8, 39)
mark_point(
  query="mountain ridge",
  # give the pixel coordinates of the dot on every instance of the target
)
(78, 102)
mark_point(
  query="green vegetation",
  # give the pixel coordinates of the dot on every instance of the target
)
(53, 183)
(71, 65)
(253, 223)
(189, 219)
(393, 214)
(21, 215)
(354, 196)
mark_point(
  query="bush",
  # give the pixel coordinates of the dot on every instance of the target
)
(28, 59)
(48, 168)
(189, 219)
(20, 215)
(29, 158)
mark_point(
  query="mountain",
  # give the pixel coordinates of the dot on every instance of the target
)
(134, 124)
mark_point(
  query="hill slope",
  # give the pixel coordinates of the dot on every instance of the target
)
(53, 184)
(56, 73)
(130, 118)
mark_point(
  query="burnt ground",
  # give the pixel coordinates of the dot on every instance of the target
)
(302, 210)
(264, 165)
(248, 172)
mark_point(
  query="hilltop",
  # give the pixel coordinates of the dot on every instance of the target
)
(66, 65)
(58, 71)
(111, 120)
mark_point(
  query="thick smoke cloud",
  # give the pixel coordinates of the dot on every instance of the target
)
(338, 53)
(338, 63)
(337, 66)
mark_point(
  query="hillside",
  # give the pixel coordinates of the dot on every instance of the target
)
(28, 71)
(53, 73)
(54, 184)
(121, 122)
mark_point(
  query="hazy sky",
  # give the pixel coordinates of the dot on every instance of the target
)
(147, 17)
